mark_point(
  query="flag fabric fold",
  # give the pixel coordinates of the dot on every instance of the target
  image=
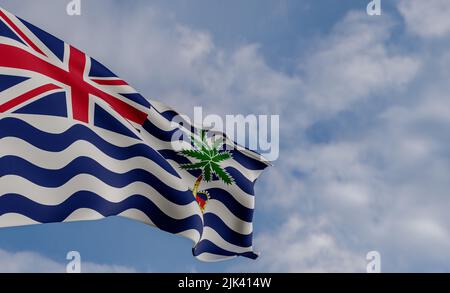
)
(79, 143)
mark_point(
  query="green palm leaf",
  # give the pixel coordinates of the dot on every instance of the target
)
(214, 149)
(222, 173)
(203, 136)
(207, 174)
(217, 143)
(221, 157)
(197, 142)
(203, 144)
(193, 166)
(209, 157)
(196, 154)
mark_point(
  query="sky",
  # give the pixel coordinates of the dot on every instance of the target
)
(364, 116)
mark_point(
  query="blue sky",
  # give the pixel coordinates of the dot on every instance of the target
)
(364, 161)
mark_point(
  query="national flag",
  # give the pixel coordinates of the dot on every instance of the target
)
(79, 143)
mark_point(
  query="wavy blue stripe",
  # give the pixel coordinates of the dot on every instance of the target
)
(58, 142)
(238, 156)
(241, 181)
(240, 211)
(246, 185)
(12, 165)
(248, 162)
(157, 132)
(169, 114)
(15, 203)
(216, 223)
(208, 246)
(83, 165)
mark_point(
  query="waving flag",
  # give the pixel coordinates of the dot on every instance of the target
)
(78, 143)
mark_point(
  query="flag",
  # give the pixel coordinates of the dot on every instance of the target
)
(79, 143)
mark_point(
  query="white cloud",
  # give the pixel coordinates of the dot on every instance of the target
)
(299, 246)
(167, 60)
(353, 63)
(31, 262)
(428, 19)
(384, 188)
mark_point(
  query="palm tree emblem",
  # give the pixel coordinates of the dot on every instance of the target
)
(208, 157)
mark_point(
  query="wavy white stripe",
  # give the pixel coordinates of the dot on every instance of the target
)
(160, 107)
(56, 160)
(214, 237)
(138, 215)
(85, 214)
(192, 234)
(56, 196)
(218, 208)
(58, 125)
(15, 220)
(211, 257)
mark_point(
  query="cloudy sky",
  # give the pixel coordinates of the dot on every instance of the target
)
(364, 105)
